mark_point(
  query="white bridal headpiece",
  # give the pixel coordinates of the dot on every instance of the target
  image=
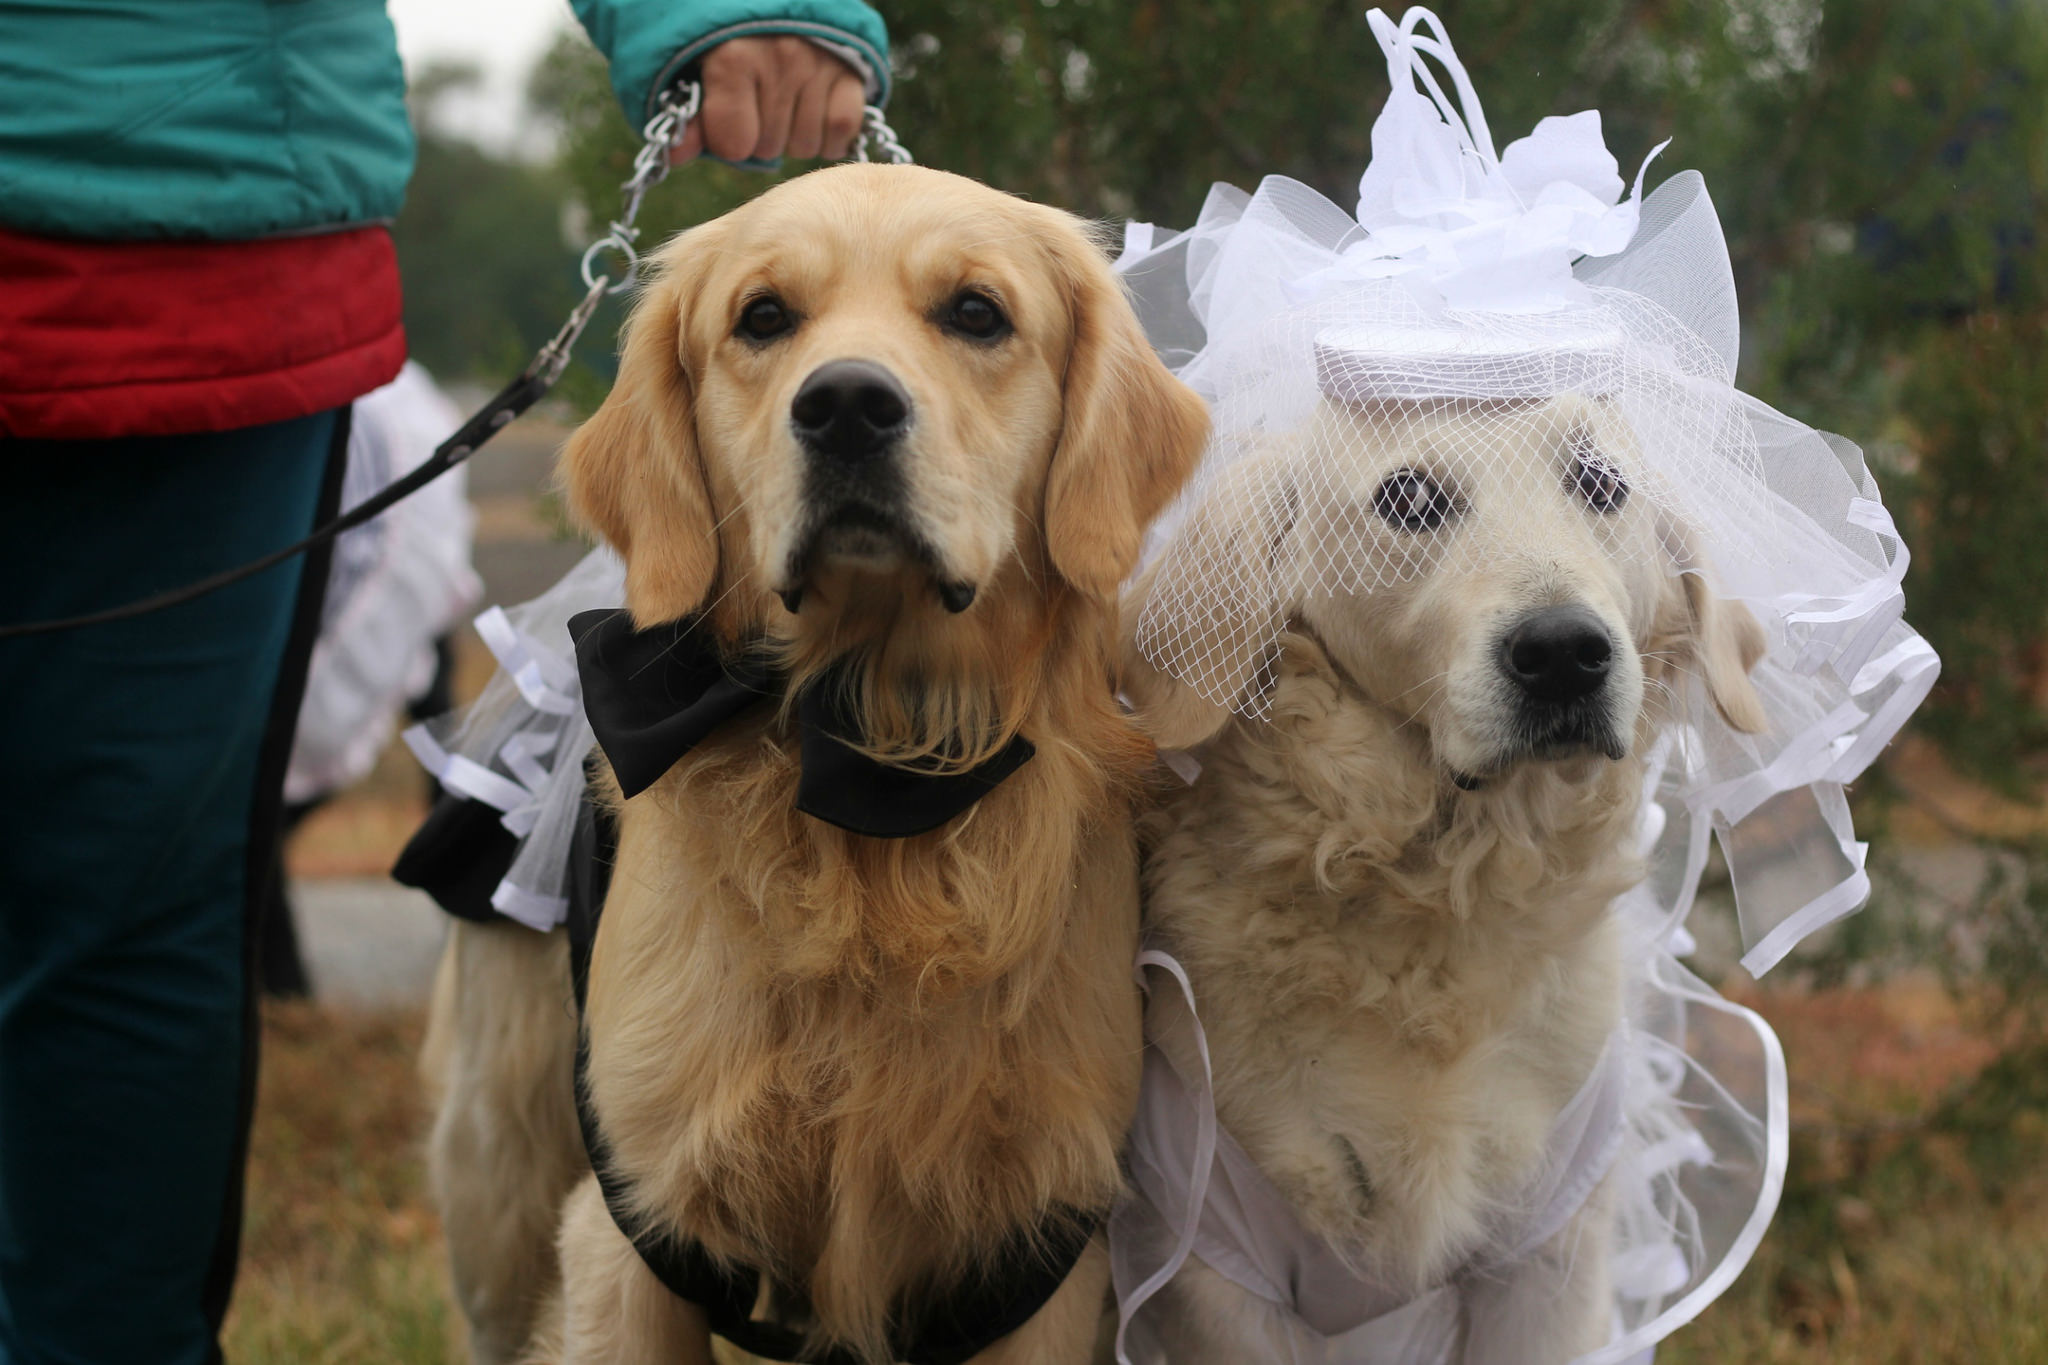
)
(1477, 293)
(1485, 288)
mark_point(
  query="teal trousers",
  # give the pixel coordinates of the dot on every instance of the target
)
(141, 770)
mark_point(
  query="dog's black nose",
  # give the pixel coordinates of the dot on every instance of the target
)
(1558, 654)
(850, 409)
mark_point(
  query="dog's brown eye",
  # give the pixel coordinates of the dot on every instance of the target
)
(976, 315)
(1412, 501)
(1599, 483)
(765, 319)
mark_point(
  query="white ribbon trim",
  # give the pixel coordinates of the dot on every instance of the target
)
(1817, 914)
(1777, 1129)
(536, 912)
(1205, 1149)
(1914, 662)
(544, 678)
(462, 775)
(1802, 762)
(1839, 747)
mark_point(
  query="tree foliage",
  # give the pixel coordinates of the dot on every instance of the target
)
(488, 271)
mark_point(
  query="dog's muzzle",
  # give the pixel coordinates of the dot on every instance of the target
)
(850, 417)
(849, 412)
(1559, 660)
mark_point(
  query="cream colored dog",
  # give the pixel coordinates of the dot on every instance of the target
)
(887, 419)
(1392, 898)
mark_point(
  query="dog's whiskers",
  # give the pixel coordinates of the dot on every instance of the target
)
(708, 607)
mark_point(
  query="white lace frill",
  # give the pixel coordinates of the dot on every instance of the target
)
(520, 747)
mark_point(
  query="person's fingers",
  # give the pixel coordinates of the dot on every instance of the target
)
(766, 97)
(690, 144)
(807, 120)
(786, 62)
(731, 119)
(843, 108)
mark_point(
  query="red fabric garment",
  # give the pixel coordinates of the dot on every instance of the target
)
(106, 339)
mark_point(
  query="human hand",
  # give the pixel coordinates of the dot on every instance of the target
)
(769, 97)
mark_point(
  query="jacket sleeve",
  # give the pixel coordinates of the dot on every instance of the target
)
(650, 43)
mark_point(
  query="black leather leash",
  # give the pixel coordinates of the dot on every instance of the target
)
(515, 398)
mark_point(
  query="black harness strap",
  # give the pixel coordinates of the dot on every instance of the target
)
(979, 1312)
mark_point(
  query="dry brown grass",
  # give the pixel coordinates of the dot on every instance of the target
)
(341, 1252)
(1914, 1227)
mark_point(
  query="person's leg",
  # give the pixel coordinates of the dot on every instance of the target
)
(281, 967)
(141, 765)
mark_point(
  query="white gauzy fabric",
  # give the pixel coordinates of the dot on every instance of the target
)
(397, 583)
(1279, 311)
(1696, 1153)
(1473, 290)
(520, 747)
(1245, 1230)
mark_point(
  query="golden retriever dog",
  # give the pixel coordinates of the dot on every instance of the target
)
(897, 430)
(1392, 897)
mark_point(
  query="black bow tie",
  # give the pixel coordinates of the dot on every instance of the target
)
(653, 695)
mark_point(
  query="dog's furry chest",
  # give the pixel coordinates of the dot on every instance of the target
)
(860, 1066)
(1400, 1111)
(1394, 1067)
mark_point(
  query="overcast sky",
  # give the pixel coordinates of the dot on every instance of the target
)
(504, 37)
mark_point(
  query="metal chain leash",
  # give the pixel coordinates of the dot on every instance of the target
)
(678, 105)
(875, 130)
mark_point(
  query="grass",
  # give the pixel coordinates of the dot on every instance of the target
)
(1914, 1227)
(341, 1252)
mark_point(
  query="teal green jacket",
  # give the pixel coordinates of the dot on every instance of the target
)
(233, 119)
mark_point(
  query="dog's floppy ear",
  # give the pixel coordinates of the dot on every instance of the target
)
(1728, 640)
(1131, 432)
(1722, 636)
(633, 473)
(1211, 608)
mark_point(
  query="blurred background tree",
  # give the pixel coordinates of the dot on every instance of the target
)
(1880, 169)
(483, 245)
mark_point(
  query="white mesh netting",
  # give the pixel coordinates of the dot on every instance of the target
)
(1381, 438)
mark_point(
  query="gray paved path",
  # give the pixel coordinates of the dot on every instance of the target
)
(368, 942)
(371, 943)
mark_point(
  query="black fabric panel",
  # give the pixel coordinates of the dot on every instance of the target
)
(458, 856)
(846, 788)
(653, 695)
